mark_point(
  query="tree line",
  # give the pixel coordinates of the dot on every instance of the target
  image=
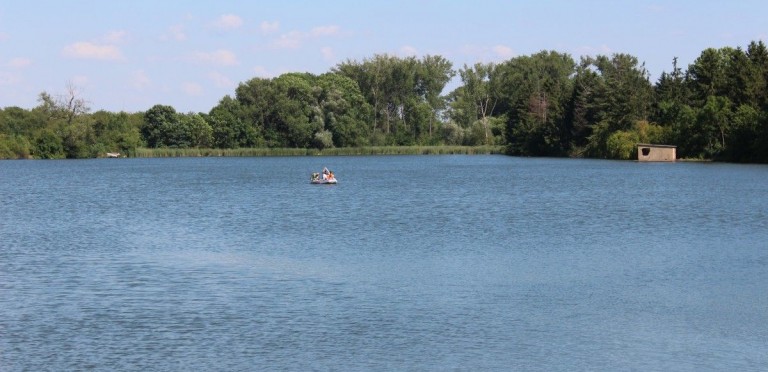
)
(544, 104)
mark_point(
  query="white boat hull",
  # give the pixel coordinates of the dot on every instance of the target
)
(324, 182)
(317, 179)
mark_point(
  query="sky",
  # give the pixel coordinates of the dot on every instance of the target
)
(129, 55)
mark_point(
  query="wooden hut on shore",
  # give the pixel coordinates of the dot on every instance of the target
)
(651, 152)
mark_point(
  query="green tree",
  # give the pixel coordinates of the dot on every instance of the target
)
(620, 95)
(714, 120)
(116, 132)
(48, 146)
(256, 98)
(345, 111)
(758, 56)
(432, 75)
(297, 116)
(15, 147)
(403, 92)
(534, 93)
(157, 120)
(475, 100)
(230, 126)
(196, 131)
(744, 140)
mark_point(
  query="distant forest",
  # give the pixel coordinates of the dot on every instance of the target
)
(544, 104)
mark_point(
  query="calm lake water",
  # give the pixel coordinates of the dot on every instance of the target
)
(409, 263)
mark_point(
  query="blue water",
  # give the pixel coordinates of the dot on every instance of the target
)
(409, 263)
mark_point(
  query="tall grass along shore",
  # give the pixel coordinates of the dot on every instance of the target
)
(373, 150)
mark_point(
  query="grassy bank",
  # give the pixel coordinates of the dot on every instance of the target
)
(374, 150)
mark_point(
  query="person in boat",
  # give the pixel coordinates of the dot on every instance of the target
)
(326, 173)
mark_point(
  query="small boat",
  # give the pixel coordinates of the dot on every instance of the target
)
(325, 178)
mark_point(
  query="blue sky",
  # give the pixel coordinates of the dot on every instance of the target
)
(124, 55)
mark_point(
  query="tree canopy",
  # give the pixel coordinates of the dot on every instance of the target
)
(544, 104)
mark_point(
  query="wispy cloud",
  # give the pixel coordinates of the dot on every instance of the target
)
(503, 51)
(115, 37)
(140, 80)
(175, 33)
(9, 79)
(328, 54)
(19, 62)
(324, 31)
(483, 53)
(192, 89)
(220, 80)
(228, 22)
(261, 72)
(88, 50)
(407, 50)
(291, 40)
(269, 27)
(295, 39)
(221, 57)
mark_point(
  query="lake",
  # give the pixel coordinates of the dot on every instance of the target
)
(409, 263)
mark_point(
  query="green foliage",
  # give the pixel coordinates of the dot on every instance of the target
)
(163, 127)
(534, 93)
(747, 143)
(323, 140)
(403, 93)
(230, 126)
(157, 121)
(15, 147)
(544, 104)
(48, 146)
(714, 121)
(365, 150)
(621, 145)
(452, 134)
(345, 112)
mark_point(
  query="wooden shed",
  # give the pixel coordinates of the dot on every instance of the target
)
(650, 152)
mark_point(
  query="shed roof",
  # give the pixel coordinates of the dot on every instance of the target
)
(654, 145)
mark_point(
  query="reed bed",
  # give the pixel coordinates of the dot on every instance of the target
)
(340, 151)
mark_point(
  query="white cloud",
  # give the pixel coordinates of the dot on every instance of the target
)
(140, 80)
(295, 39)
(19, 62)
(593, 51)
(328, 54)
(503, 51)
(87, 50)
(220, 80)
(9, 79)
(485, 54)
(261, 72)
(408, 50)
(228, 22)
(324, 31)
(176, 33)
(291, 40)
(115, 37)
(269, 27)
(192, 89)
(221, 57)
